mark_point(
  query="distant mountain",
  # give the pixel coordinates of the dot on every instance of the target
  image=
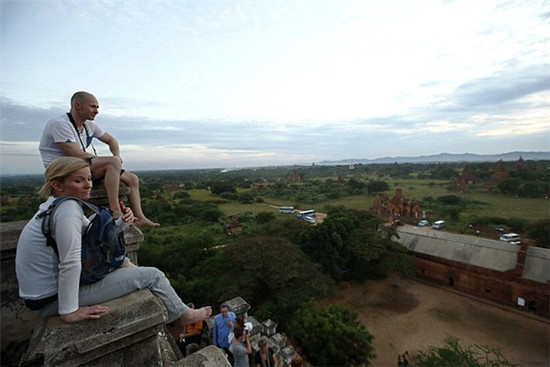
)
(448, 157)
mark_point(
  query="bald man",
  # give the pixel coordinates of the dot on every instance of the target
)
(71, 134)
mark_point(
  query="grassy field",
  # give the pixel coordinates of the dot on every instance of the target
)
(485, 204)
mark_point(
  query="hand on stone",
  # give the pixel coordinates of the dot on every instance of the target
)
(85, 313)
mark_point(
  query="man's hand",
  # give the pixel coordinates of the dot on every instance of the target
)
(127, 213)
(85, 313)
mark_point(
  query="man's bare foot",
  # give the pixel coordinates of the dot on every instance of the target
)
(144, 222)
(193, 315)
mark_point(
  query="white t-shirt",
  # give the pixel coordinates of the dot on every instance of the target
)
(61, 130)
(40, 273)
(247, 326)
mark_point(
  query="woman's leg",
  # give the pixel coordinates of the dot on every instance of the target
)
(129, 279)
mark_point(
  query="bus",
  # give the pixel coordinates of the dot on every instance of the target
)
(438, 224)
(306, 213)
(286, 209)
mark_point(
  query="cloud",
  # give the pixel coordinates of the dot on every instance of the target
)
(244, 83)
(503, 87)
(20, 122)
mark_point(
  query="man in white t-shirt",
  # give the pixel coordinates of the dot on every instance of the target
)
(72, 133)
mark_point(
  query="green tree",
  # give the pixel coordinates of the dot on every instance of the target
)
(181, 195)
(265, 217)
(453, 354)
(287, 228)
(540, 232)
(446, 173)
(210, 214)
(332, 336)
(376, 186)
(355, 244)
(246, 198)
(510, 186)
(532, 190)
(218, 187)
(450, 200)
(325, 243)
(271, 273)
(372, 256)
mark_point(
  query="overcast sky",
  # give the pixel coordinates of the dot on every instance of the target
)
(201, 84)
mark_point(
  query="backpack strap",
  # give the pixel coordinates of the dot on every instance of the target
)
(48, 217)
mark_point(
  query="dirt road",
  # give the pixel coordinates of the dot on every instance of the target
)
(406, 315)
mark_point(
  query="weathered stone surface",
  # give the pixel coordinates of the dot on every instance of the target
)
(10, 235)
(98, 196)
(156, 350)
(131, 319)
(17, 320)
(278, 340)
(287, 354)
(270, 327)
(256, 325)
(238, 306)
(209, 356)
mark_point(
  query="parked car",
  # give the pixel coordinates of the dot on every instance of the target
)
(309, 219)
(512, 238)
(396, 223)
(423, 223)
(438, 224)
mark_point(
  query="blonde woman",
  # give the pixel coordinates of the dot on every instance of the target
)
(50, 285)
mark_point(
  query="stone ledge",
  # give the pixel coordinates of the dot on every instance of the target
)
(132, 318)
(209, 356)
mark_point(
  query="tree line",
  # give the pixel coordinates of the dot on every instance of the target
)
(280, 265)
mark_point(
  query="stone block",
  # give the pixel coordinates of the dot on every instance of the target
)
(156, 350)
(210, 356)
(10, 235)
(270, 327)
(254, 339)
(274, 346)
(279, 340)
(133, 237)
(17, 320)
(131, 319)
(287, 354)
(238, 306)
(98, 196)
(256, 326)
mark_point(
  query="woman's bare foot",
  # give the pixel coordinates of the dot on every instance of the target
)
(189, 317)
(144, 222)
(193, 315)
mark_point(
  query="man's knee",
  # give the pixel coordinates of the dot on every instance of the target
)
(129, 178)
(103, 164)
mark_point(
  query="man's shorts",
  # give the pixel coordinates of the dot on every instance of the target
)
(97, 181)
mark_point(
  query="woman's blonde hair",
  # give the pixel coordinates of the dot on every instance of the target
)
(60, 169)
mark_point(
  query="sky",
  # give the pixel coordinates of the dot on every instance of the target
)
(223, 84)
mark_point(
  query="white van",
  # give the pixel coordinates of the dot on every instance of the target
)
(438, 224)
(512, 238)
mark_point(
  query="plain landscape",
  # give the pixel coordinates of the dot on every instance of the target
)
(234, 215)
(407, 315)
